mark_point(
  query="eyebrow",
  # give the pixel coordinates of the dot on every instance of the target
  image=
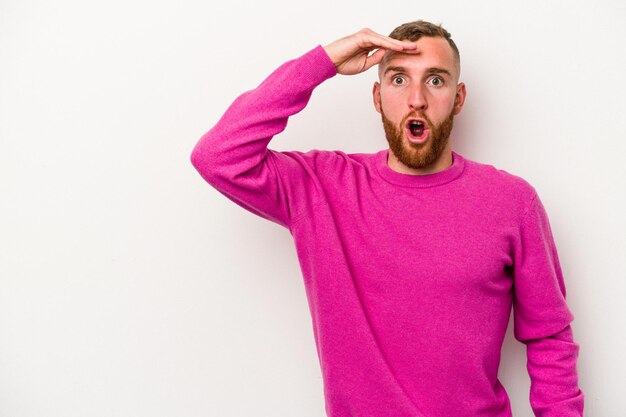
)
(431, 70)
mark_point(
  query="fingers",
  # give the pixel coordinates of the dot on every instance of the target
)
(350, 53)
(396, 45)
(374, 39)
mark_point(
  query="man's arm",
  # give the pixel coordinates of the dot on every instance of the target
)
(542, 319)
(233, 156)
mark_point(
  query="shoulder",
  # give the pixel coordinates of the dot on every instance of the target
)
(500, 179)
(328, 161)
(509, 190)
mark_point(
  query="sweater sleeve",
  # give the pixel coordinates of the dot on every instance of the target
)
(234, 158)
(542, 319)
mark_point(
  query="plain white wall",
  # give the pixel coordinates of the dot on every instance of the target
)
(130, 287)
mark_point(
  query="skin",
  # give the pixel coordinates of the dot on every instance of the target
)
(413, 91)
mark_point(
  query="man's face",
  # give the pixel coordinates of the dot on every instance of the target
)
(418, 97)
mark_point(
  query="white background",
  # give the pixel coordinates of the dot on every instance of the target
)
(130, 287)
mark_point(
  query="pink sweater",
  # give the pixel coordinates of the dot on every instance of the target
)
(410, 279)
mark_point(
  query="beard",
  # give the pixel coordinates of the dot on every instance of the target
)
(418, 155)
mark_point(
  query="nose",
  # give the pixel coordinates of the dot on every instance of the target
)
(417, 99)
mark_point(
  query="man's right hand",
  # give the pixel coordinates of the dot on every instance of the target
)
(350, 53)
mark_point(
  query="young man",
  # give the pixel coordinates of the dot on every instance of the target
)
(412, 256)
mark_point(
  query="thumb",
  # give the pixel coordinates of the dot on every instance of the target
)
(374, 59)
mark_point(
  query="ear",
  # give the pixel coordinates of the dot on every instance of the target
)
(376, 96)
(459, 99)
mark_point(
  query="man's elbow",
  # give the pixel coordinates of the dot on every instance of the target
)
(201, 158)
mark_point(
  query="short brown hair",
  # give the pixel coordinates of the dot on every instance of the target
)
(415, 30)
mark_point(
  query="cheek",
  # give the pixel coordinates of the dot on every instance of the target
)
(391, 102)
(444, 102)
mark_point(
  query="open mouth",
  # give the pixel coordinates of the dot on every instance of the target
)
(417, 130)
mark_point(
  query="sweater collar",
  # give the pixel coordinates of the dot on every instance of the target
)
(411, 180)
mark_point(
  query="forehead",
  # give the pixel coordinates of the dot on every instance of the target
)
(433, 52)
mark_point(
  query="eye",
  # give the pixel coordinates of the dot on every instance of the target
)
(397, 80)
(436, 81)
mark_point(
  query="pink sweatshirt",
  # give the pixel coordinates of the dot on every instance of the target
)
(410, 279)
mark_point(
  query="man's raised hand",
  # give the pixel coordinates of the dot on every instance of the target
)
(350, 54)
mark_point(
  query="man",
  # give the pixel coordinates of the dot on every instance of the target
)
(413, 256)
